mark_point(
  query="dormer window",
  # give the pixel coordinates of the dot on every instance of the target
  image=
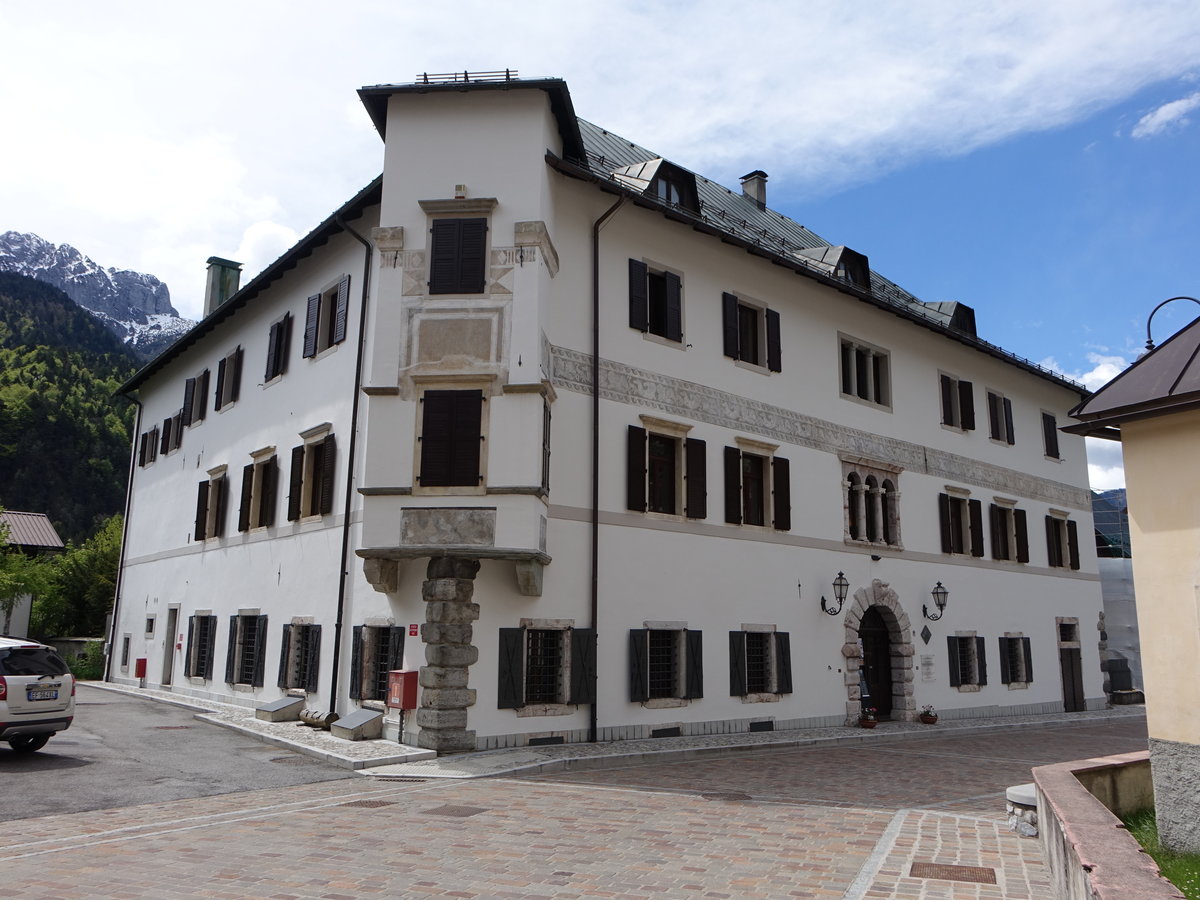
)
(666, 190)
(662, 180)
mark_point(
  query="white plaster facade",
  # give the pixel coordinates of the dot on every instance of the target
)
(525, 342)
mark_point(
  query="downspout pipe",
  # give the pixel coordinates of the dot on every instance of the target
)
(112, 630)
(368, 252)
(595, 587)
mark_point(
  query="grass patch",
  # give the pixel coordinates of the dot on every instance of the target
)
(1181, 869)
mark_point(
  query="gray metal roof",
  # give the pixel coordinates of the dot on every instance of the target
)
(30, 530)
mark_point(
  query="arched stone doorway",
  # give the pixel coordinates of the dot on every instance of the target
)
(877, 612)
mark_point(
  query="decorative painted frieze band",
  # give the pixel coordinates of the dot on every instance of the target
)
(572, 370)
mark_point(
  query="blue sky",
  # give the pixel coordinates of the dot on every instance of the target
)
(1034, 160)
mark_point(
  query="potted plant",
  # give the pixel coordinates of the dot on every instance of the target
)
(866, 718)
(928, 715)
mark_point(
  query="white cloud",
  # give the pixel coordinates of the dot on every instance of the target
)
(1106, 467)
(1169, 115)
(1104, 369)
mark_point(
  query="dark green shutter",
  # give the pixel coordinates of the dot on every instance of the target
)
(674, 298)
(356, 647)
(966, 405)
(639, 667)
(737, 664)
(1021, 527)
(783, 662)
(1005, 668)
(313, 666)
(231, 651)
(1072, 543)
(944, 521)
(781, 486)
(729, 325)
(635, 469)
(639, 317)
(693, 677)
(583, 666)
(774, 344)
(341, 309)
(312, 320)
(201, 511)
(296, 483)
(328, 465)
(284, 651)
(247, 497)
(510, 680)
(981, 659)
(952, 651)
(733, 485)
(696, 478)
(975, 509)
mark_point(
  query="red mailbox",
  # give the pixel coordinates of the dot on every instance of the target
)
(402, 689)
(139, 667)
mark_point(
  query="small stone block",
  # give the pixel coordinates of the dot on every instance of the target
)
(285, 709)
(360, 725)
(1023, 794)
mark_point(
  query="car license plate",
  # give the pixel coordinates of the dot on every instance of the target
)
(43, 694)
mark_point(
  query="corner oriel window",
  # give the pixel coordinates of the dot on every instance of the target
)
(451, 440)
(458, 256)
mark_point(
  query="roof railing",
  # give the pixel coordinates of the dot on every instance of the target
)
(465, 77)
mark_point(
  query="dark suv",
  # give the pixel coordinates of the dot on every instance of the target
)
(37, 694)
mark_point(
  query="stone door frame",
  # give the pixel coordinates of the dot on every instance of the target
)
(880, 595)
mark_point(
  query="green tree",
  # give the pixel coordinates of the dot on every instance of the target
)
(81, 585)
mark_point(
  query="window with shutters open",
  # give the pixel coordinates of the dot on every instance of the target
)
(1062, 541)
(1016, 661)
(751, 332)
(665, 665)
(247, 649)
(300, 656)
(961, 520)
(172, 434)
(760, 663)
(458, 256)
(757, 486)
(1009, 531)
(968, 661)
(655, 301)
(201, 645)
(546, 667)
(279, 340)
(666, 469)
(212, 498)
(325, 317)
(229, 379)
(1000, 418)
(451, 441)
(149, 445)
(311, 479)
(375, 650)
(195, 399)
(260, 481)
(958, 402)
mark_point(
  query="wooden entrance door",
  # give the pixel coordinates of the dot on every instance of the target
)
(1072, 678)
(877, 662)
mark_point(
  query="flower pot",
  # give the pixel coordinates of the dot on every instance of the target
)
(928, 719)
(867, 723)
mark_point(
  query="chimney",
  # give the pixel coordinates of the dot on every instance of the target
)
(754, 186)
(224, 275)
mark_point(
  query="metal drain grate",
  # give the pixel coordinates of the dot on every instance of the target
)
(970, 874)
(460, 811)
(369, 804)
(170, 727)
(411, 779)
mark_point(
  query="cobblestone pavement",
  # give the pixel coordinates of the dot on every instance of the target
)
(812, 822)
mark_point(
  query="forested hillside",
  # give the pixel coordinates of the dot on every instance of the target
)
(64, 437)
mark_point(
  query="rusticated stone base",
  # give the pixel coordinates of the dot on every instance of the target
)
(447, 633)
(1175, 768)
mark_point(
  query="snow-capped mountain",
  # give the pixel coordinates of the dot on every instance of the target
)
(135, 306)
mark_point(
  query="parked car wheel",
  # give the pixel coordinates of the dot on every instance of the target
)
(28, 743)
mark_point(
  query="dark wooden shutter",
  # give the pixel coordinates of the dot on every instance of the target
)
(966, 405)
(1008, 421)
(450, 437)
(236, 377)
(1050, 431)
(312, 321)
(696, 478)
(729, 325)
(674, 292)
(247, 497)
(737, 664)
(142, 441)
(975, 510)
(313, 662)
(635, 469)
(165, 444)
(993, 404)
(189, 661)
(445, 235)
(356, 648)
(944, 520)
(981, 659)
(639, 316)
(781, 488)
(1072, 543)
(272, 351)
(995, 527)
(948, 417)
(209, 624)
(220, 487)
(231, 651)
(341, 310)
(639, 668)
(783, 662)
(218, 400)
(201, 511)
(395, 660)
(952, 658)
(1021, 527)
(733, 485)
(260, 653)
(201, 404)
(189, 400)
(1027, 650)
(328, 466)
(774, 345)
(583, 666)
(510, 681)
(296, 483)
(473, 259)
(283, 351)
(693, 675)
(270, 487)
(1005, 668)
(284, 652)
(1053, 546)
